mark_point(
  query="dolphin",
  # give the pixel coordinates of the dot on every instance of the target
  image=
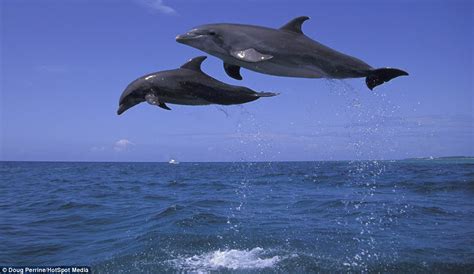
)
(188, 85)
(286, 51)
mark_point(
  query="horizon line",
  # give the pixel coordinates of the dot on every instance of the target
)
(282, 161)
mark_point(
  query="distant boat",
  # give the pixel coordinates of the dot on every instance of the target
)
(173, 162)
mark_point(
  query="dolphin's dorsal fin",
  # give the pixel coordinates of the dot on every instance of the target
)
(295, 24)
(195, 63)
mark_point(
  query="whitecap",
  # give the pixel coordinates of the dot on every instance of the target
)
(234, 259)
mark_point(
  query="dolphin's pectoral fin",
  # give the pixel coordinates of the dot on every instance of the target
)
(154, 100)
(250, 55)
(233, 71)
(295, 24)
(163, 105)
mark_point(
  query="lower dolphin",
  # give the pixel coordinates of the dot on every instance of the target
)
(188, 85)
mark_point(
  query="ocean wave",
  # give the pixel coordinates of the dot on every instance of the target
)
(155, 197)
(171, 210)
(206, 203)
(176, 183)
(202, 219)
(428, 187)
(74, 205)
(232, 259)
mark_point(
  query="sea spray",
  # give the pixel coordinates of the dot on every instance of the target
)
(370, 140)
(233, 259)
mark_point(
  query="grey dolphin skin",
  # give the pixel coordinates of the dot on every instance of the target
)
(281, 52)
(187, 85)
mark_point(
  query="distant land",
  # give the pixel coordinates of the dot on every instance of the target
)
(443, 158)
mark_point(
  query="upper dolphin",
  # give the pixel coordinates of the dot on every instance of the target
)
(188, 85)
(286, 51)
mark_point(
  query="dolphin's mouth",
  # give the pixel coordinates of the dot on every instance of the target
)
(122, 108)
(188, 36)
(126, 106)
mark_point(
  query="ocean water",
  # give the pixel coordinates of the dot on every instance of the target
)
(397, 216)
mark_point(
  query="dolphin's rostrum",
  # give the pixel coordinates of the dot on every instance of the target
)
(187, 85)
(281, 52)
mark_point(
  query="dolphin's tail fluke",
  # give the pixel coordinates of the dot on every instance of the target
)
(379, 76)
(266, 94)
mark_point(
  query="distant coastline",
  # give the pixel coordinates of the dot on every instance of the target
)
(441, 158)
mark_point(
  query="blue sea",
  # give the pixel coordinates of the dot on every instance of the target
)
(361, 216)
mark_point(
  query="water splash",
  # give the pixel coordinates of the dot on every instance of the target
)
(251, 145)
(233, 259)
(371, 138)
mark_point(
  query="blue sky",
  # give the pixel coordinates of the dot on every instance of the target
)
(66, 62)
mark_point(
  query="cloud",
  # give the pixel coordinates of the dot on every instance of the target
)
(122, 145)
(157, 5)
(97, 148)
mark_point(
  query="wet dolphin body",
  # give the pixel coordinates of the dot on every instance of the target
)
(281, 52)
(187, 85)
